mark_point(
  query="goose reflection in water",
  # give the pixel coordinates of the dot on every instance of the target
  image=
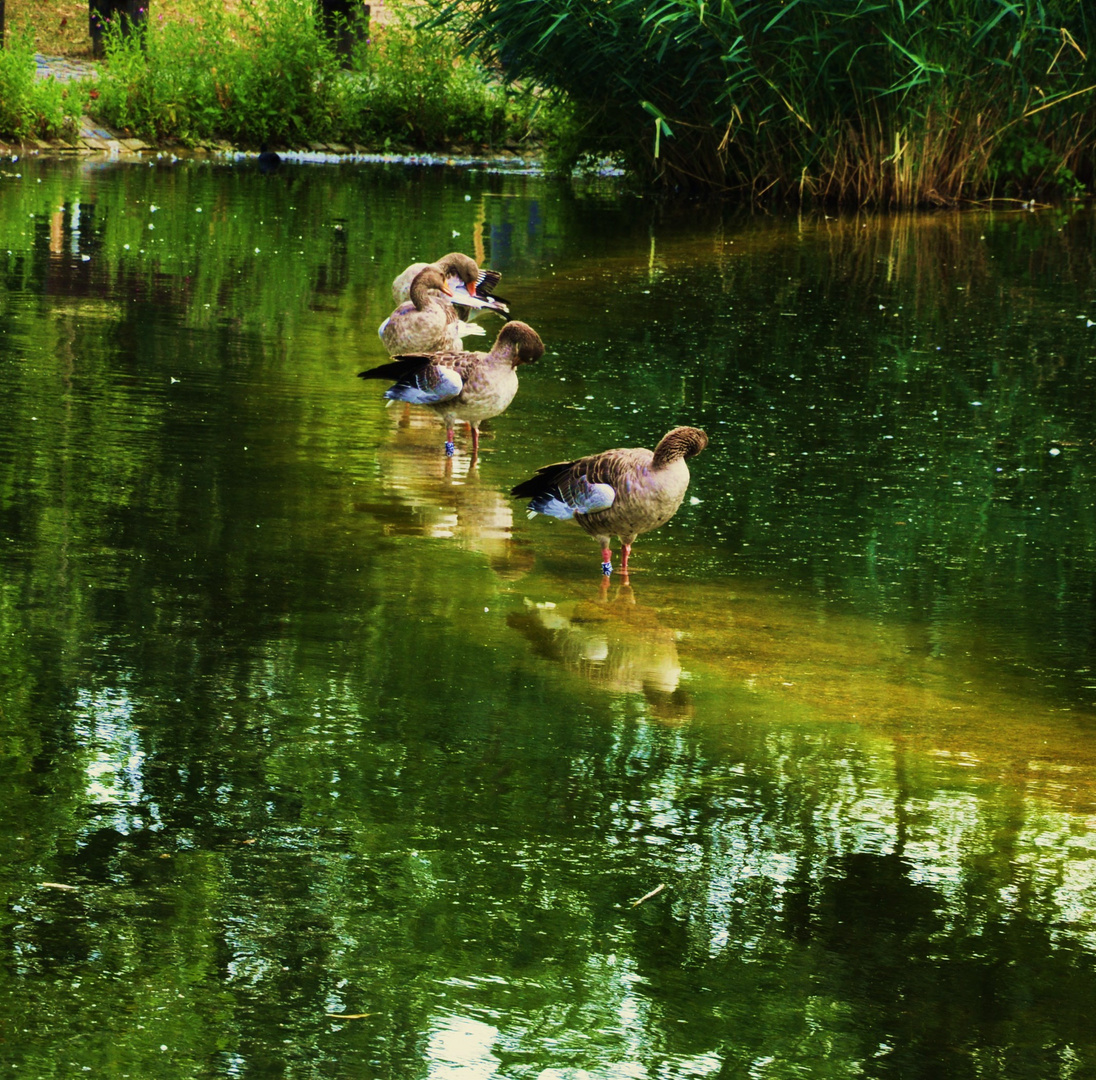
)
(613, 641)
(430, 495)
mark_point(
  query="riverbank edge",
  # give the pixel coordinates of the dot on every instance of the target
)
(95, 140)
(102, 144)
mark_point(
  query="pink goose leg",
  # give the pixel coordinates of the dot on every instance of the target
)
(624, 561)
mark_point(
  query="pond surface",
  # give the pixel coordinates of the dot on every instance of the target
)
(320, 759)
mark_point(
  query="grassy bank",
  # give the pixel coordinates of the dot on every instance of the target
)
(32, 108)
(259, 71)
(880, 102)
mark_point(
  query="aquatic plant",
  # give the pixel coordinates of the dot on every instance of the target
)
(889, 103)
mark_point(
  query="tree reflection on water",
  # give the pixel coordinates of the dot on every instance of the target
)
(320, 761)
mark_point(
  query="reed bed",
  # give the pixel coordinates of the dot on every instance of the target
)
(872, 102)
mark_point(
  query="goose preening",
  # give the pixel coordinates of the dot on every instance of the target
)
(621, 492)
(426, 323)
(471, 286)
(468, 386)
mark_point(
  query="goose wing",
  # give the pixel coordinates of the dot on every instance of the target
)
(463, 298)
(487, 282)
(565, 489)
(420, 380)
(467, 329)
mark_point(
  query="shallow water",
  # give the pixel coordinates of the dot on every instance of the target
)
(322, 760)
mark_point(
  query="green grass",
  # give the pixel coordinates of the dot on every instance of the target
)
(264, 72)
(32, 107)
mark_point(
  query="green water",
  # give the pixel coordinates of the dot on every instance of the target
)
(321, 760)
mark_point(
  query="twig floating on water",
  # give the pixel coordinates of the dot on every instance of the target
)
(654, 892)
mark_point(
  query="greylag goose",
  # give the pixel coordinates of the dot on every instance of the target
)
(468, 386)
(425, 323)
(621, 492)
(472, 287)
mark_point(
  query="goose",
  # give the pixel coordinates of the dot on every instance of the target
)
(469, 386)
(425, 323)
(472, 287)
(622, 492)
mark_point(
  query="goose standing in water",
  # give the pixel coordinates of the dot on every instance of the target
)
(425, 323)
(468, 386)
(621, 492)
(472, 287)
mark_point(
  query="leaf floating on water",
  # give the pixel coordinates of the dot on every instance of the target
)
(57, 885)
(653, 893)
(348, 1016)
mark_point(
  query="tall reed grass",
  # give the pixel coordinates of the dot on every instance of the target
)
(888, 102)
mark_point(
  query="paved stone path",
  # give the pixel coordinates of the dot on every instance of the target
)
(64, 68)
